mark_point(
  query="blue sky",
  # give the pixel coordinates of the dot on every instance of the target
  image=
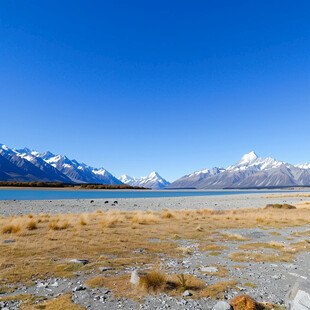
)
(172, 86)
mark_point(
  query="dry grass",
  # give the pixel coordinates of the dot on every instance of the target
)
(154, 280)
(58, 238)
(286, 195)
(185, 250)
(247, 256)
(212, 247)
(234, 237)
(63, 302)
(280, 248)
(32, 225)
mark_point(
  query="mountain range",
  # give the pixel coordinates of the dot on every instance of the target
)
(250, 172)
(25, 165)
(154, 181)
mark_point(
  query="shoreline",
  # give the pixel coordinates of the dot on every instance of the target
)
(285, 189)
(215, 202)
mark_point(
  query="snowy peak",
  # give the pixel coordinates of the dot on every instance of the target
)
(255, 163)
(154, 181)
(250, 172)
(154, 174)
(48, 167)
(126, 179)
(248, 158)
(207, 172)
(303, 166)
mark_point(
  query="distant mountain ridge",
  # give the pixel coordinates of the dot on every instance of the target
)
(25, 165)
(154, 181)
(250, 172)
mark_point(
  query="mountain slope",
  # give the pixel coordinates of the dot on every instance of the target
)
(191, 180)
(154, 181)
(25, 165)
(18, 167)
(250, 171)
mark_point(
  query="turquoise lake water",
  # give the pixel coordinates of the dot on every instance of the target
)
(28, 194)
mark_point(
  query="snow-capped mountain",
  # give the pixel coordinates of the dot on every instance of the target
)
(126, 179)
(154, 181)
(28, 165)
(303, 166)
(190, 180)
(250, 172)
(24, 167)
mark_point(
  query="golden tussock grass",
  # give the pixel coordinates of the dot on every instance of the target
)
(286, 195)
(280, 248)
(32, 225)
(58, 238)
(247, 256)
(234, 237)
(58, 225)
(154, 280)
(212, 247)
(185, 250)
(63, 302)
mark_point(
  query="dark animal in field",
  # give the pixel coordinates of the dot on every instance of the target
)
(116, 201)
(91, 201)
(107, 201)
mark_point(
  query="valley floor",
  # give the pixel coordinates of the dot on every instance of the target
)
(211, 248)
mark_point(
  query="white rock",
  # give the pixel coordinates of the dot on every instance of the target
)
(134, 279)
(187, 293)
(301, 301)
(209, 269)
(299, 296)
(222, 305)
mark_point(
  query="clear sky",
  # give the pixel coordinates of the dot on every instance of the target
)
(171, 86)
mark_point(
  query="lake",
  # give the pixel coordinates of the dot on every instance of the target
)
(50, 194)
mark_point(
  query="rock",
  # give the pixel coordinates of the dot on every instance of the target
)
(244, 302)
(299, 296)
(79, 288)
(222, 305)
(79, 261)
(187, 293)
(41, 284)
(209, 269)
(134, 279)
(103, 269)
(55, 284)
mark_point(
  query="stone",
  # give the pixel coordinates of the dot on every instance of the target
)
(79, 288)
(134, 279)
(55, 284)
(187, 293)
(103, 269)
(299, 297)
(209, 269)
(79, 261)
(222, 305)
